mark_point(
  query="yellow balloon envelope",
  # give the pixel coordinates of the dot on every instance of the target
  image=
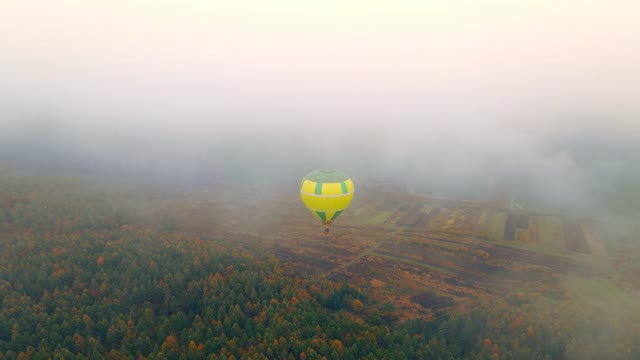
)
(327, 193)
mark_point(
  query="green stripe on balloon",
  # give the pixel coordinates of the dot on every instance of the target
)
(327, 176)
(343, 185)
(318, 188)
(322, 215)
(336, 214)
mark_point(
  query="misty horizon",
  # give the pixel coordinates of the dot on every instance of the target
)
(537, 98)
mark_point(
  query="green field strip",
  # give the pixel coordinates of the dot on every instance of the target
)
(377, 218)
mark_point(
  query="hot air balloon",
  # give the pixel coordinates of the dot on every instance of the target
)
(327, 193)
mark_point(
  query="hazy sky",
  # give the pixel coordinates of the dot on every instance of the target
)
(305, 61)
(486, 79)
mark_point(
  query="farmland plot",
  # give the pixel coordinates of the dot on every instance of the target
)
(550, 234)
(515, 222)
(574, 237)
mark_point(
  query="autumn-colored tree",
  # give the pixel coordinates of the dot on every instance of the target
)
(357, 305)
(530, 331)
(170, 343)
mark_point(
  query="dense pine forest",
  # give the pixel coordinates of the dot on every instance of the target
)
(82, 276)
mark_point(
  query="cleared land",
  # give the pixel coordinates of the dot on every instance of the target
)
(424, 255)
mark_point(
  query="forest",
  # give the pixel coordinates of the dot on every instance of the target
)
(83, 276)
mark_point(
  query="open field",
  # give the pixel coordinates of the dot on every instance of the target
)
(426, 256)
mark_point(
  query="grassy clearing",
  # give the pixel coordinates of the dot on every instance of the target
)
(619, 237)
(600, 291)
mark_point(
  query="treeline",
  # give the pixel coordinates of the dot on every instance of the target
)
(80, 279)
